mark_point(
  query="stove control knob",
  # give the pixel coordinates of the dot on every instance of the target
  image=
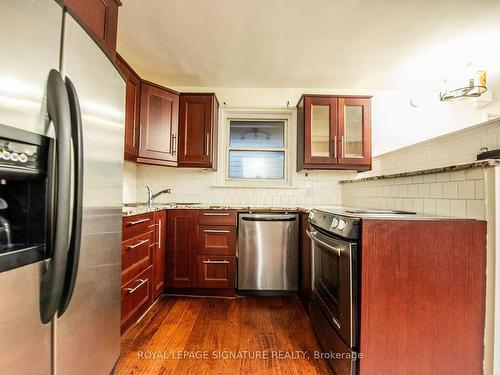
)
(342, 224)
(335, 222)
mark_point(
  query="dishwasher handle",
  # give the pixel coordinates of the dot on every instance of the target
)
(264, 217)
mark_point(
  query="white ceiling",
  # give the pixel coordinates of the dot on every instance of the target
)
(355, 44)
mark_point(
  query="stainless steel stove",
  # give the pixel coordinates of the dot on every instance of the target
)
(335, 234)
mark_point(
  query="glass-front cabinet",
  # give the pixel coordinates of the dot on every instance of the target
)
(334, 132)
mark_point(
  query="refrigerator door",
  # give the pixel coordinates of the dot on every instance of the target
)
(30, 35)
(87, 335)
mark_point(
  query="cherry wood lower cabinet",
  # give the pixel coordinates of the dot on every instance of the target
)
(182, 248)
(201, 252)
(136, 298)
(215, 271)
(159, 254)
(216, 240)
(422, 297)
(143, 264)
(136, 255)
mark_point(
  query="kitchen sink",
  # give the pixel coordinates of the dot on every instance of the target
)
(134, 204)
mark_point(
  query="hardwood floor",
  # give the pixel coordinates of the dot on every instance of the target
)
(182, 335)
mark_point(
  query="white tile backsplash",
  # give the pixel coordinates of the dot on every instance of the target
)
(457, 194)
(201, 186)
(463, 193)
(129, 182)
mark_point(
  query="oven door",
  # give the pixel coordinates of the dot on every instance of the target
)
(334, 282)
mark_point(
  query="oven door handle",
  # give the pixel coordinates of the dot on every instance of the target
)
(312, 236)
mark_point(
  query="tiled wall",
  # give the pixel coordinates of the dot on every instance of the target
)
(451, 194)
(195, 185)
(451, 149)
(129, 182)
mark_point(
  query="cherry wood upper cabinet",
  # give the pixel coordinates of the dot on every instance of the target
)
(182, 245)
(354, 130)
(334, 132)
(100, 17)
(198, 130)
(132, 109)
(159, 125)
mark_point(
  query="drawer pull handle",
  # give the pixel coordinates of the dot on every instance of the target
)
(132, 290)
(159, 234)
(215, 261)
(216, 231)
(216, 214)
(132, 223)
(137, 244)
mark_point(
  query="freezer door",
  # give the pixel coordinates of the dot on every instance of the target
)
(30, 36)
(87, 335)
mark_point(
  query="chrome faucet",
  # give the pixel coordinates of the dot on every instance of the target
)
(152, 197)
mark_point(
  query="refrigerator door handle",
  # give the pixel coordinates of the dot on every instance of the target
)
(53, 275)
(76, 224)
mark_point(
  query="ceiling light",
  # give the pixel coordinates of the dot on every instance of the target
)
(475, 87)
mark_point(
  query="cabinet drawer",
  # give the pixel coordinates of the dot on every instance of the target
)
(136, 255)
(135, 298)
(216, 271)
(136, 225)
(217, 217)
(216, 240)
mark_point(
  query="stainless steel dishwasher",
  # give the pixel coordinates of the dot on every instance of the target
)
(268, 252)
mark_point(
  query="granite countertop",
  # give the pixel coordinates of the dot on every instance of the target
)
(137, 209)
(451, 168)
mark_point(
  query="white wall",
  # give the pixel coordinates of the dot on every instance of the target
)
(395, 122)
(459, 147)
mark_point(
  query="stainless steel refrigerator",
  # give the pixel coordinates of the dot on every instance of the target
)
(62, 104)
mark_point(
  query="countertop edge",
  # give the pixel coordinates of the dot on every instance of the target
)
(450, 168)
(132, 211)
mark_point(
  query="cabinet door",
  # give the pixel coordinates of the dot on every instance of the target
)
(101, 17)
(135, 299)
(159, 124)
(196, 131)
(182, 248)
(159, 260)
(132, 110)
(216, 271)
(354, 131)
(216, 240)
(320, 134)
(136, 256)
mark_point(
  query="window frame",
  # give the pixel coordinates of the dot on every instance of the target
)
(287, 116)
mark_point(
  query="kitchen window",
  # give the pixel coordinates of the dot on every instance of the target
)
(257, 150)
